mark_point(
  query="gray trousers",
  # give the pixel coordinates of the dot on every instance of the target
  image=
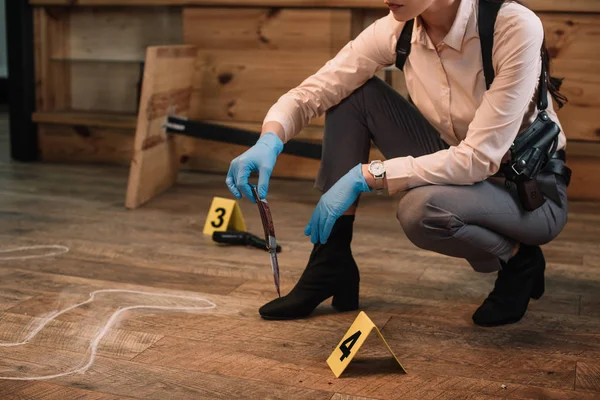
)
(481, 223)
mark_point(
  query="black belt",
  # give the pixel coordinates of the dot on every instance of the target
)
(557, 166)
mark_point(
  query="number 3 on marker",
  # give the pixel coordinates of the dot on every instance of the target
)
(347, 345)
(219, 217)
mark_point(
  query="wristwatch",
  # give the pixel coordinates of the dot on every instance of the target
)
(377, 169)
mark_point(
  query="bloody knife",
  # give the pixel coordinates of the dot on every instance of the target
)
(267, 221)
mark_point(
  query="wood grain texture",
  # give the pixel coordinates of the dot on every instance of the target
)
(50, 391)
(588, 377)
(113, 146)
(539, 5)
(421, 301)
(103, 86)
(120, 34)
(85, 144)
(572, 44)
(155, 164)
(89, 119)
(105, 49)
(80, 144)
(246, 62)
(53, 80)
(585, 182)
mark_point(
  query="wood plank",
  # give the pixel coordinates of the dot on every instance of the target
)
(590, 306)
(153, 382)
(49, 391)
(119, 273)
(340, 396)
(240, 76)
(55, 285)
(236, 3)
(11, 297)
(421, 300)
(121, 34)
(585, 182)
(588, 377)
(300, 365)
(128, 121)
(570, 39)
(155, 164)
(106, 49)
(578, 148)
(53, 88)
(103, 86)
(538, 5)
(83, 144)
(370, 374)
(74, 336)
(88, 119)
(414, 335)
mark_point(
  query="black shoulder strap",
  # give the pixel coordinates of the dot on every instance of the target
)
(488, 11)
(403, 45)
(543, 89)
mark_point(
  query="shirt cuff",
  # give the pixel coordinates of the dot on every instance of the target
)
(399, 173)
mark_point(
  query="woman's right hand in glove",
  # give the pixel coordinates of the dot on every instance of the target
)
(261, 157)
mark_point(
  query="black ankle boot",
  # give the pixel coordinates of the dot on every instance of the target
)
(331, 271)
(519, 280)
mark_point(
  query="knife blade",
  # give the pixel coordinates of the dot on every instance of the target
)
(267, 221)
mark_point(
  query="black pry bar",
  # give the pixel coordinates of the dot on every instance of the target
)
(227, 134)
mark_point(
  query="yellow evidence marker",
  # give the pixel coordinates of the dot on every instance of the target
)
(223, 215)
(351, 342)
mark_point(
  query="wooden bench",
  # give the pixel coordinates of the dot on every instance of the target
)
(88, 72)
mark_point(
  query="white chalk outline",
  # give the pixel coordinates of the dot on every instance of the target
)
(96, 340)
(62, 250)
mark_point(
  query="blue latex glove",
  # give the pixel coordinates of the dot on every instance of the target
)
(261, 157)
(334, 203)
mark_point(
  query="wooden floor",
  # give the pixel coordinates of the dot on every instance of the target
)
(422, 302)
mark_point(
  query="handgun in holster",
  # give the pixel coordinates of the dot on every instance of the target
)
(529, 154)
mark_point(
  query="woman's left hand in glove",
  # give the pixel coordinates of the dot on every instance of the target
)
(334, 203)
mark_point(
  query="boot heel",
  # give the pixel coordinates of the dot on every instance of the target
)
(346, 299)
(539, 287)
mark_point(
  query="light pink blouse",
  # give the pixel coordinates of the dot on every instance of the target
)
(447, 84)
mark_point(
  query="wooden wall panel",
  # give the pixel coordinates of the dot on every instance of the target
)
(585, 180)
(247, 62)
(105, 49)
(79, 144)
(53, 80)
(572, 41)
(62, 143)
(538, 5)
(122, 33)
(108, 86)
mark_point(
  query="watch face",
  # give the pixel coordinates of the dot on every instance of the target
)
(377, 168)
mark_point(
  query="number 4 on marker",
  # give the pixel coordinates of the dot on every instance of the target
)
(350, 344)
(347, 345)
